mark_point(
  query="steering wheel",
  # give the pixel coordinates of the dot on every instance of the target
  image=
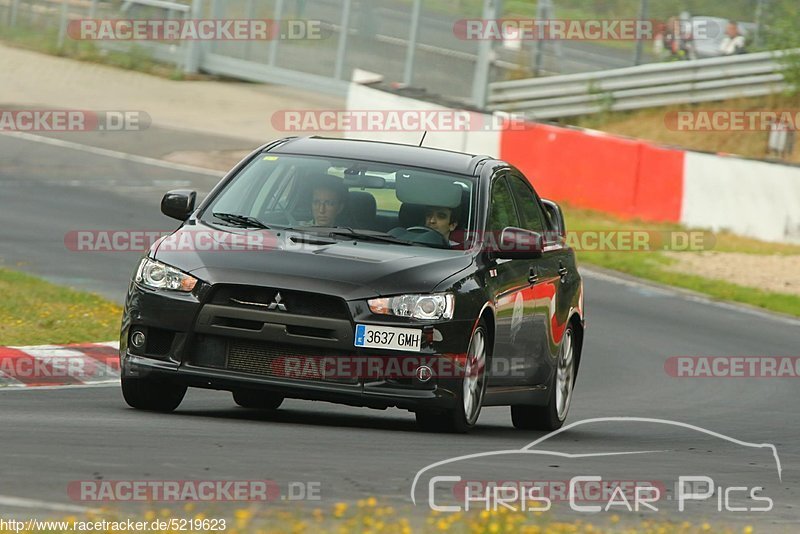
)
(428, 235)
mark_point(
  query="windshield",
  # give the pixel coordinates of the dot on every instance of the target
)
(348, 199)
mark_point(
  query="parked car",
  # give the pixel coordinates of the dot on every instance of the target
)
(364, 273)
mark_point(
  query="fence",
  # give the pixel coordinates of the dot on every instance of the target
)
(657, 84)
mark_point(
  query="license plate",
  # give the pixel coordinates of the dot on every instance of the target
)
(386, 337)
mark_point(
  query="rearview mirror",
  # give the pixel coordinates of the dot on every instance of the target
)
(178, 204)
(518, 244)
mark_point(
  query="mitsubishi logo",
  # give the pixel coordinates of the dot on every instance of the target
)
(277, 304)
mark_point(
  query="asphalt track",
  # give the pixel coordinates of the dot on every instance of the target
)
(54, 436)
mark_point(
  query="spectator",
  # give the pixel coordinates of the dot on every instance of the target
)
(733, 43)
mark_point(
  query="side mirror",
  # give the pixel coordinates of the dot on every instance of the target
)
(556, 216)
(178, 204)
(518, 244)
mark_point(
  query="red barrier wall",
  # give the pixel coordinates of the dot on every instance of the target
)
(625, 177)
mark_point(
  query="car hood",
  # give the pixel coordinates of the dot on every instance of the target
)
(293, 260)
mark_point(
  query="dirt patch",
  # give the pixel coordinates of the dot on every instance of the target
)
(218, 160)
(779, 274)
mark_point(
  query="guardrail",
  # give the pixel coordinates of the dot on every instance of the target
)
(658, 84)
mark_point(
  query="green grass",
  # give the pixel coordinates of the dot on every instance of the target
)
(655, 265)
(33, 312)
(45, 40)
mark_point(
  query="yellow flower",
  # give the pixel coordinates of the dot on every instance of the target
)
(339, 509)
(188, 507)
(372, 501)
(748, 530)
(706, 527)
(442, 524)
(615, 519)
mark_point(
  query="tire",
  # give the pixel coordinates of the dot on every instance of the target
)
(152, 394)
(470, 396)
(554, 413)
(257, 400)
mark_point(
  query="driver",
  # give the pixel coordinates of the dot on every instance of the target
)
(443, 220)
(327, 202)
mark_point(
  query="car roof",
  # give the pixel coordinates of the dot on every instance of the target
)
(380, 151)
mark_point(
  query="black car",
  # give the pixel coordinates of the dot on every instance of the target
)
(363, 273)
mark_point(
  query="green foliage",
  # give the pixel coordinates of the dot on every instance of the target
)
(781, 23)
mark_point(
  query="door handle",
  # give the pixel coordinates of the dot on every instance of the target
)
(533, 275)
(562, 271)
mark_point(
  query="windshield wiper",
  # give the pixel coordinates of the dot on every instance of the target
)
(244, 221)
(346, 231)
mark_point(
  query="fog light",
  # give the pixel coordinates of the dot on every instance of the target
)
(138, 339)
(424, 373)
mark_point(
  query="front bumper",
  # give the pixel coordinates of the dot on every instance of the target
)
(194, 333)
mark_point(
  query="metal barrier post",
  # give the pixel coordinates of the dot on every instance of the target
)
(637, 58)
(412, 43)
(342, 48)
(12, 15)
(249, 15)
(194, 49)
(273, 47)
(62, 26)
(481, 79)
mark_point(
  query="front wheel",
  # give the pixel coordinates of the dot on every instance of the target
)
(152, 394)
(470, 397)
(552, 415)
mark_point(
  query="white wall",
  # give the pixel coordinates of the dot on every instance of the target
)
(361, 97)
(750, 198)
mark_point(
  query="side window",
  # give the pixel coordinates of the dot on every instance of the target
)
(502, 212)
(532, 217)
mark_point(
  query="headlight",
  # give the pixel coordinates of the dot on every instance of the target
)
(439, 306)
(157, 275)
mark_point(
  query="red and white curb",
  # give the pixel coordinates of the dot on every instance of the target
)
(59, 365)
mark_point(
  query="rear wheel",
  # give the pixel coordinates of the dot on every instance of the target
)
(153, 394)
(554, 413)
(257, 400)
(470, 396)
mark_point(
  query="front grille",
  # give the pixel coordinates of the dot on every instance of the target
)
(284, 361)
(296, 302)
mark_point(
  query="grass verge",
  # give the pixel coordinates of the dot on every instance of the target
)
(45, 40)
(368, 515)
(33, 312)
(654, 265)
